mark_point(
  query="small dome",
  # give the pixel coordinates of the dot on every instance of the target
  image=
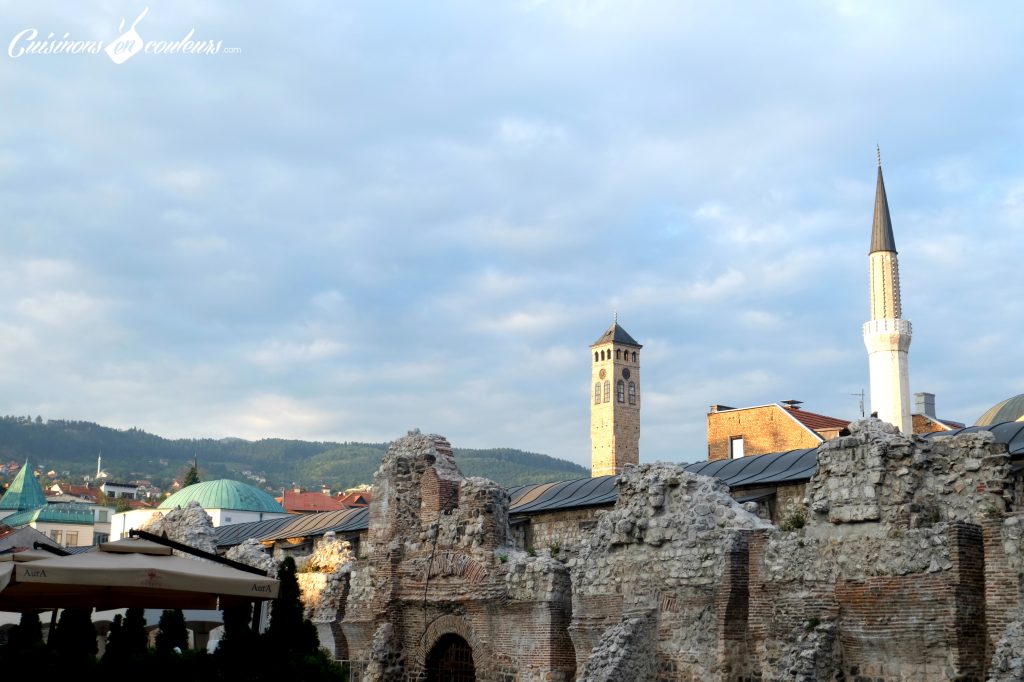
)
(1009, 410)
(224, 494)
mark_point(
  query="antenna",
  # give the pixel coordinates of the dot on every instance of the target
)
(861, 396)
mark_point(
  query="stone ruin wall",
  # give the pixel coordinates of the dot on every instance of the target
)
(908, 567)
(440, 559)
(655, 574)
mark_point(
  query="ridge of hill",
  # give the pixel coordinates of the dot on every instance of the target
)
(271, 463)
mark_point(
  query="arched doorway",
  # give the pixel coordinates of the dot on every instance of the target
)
(451, 660)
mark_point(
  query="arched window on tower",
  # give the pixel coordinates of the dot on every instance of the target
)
(607, 391)
(620, 391)
(597, 393)
(634, 356)
(595, 356)
(618, 353)
(632, 393)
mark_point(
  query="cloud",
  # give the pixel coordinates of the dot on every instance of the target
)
(397, 218)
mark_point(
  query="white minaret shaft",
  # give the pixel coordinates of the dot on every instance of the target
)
(887, 335)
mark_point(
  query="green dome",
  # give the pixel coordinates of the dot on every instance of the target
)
(224, 494)
(1009, 410)
(24, 492)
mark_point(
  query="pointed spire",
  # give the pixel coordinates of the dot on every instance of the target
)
(24, 492)
(881, 228)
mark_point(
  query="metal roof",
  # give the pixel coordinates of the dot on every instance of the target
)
(62, 512)
(24, 492)
(774, 468)
(583, 492)
(1011, 433)
(616, 334)
(1004, 411)
(881, 227)
(297, 525)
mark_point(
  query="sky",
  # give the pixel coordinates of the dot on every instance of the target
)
(354, 219)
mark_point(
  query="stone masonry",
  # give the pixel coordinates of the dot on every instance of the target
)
(907, 565)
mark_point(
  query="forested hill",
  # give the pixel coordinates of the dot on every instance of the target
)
(72, 446)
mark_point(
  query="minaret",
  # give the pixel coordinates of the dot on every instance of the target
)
(887, 335)
(615, 401)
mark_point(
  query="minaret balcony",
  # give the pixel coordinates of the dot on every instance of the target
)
(888, 326)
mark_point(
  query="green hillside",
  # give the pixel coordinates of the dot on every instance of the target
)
(72, 446)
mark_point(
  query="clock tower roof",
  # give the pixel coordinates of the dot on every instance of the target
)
(616, 334)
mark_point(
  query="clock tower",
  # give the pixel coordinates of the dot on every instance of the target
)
(614, 401)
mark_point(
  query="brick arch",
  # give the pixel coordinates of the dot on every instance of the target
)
(444, 625)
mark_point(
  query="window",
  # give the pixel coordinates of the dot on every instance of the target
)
(104, 516)
(72, 538)
(597, 393)
(57, 535)
(595, 356)
(632, 393)
(618, 353)
(620, 391)
(634, 356)
(607, 391)
(736, 447)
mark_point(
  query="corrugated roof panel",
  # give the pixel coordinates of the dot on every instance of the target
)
(299, 525)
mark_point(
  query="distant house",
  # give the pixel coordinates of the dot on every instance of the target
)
(742, 432)
(355, 498)
(300, 502)
(120, 491)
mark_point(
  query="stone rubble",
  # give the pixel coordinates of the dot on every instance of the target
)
(1008, 660)
(812, 655)
(322, 578)
(190, 526)
(625, 652)
(253, 553)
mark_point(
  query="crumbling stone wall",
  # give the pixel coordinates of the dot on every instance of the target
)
(908, 567)
(440, 560)
(892, 554)
(875, 474)
(562, 532)
(672, 547)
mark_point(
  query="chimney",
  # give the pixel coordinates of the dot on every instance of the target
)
(924, 403)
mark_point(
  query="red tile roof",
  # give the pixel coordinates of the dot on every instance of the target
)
(83, 491)
(356, 499)
(294, 502)
(816, 422)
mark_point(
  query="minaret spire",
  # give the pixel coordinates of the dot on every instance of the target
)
(887, 335)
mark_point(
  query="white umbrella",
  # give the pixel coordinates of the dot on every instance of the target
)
(126, 573)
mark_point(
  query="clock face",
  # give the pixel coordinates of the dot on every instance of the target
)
(602, 374)
(625, 373)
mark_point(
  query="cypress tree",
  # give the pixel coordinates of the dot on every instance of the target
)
(75, 636)
(290, 631)
(173, 632)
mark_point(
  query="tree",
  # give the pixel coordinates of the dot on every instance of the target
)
(27, 634)
(127, 640)
(172, 632)
(74, 639)
(192, 477)
(290, 631)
